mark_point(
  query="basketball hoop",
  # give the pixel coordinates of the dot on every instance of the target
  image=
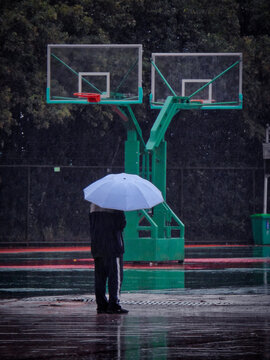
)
(202, 101)
(198, 101)
(91, 97)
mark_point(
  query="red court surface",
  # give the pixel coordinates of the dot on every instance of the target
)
(82, 262)
(87, 248)
(44, 249)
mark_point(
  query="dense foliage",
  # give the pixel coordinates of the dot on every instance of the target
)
(27, 26)
(33, 132)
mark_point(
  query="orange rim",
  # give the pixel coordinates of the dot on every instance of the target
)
(91, 97)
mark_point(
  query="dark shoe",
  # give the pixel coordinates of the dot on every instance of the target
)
(116, 309)
(102, 310)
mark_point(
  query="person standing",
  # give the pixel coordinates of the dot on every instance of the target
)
(107, 248)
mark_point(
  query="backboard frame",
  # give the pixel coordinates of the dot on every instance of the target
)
(104, 98)
(206, 105)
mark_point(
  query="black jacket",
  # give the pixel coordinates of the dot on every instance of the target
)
(106, 233)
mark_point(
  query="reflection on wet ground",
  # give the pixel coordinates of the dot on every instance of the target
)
(213, 306)
(211, 269)
(194, 327)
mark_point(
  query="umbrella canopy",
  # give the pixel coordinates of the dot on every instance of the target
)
(123, 192)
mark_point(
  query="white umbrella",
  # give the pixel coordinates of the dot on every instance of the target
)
(123, 192)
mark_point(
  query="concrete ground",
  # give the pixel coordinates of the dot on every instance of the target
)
(158, 326)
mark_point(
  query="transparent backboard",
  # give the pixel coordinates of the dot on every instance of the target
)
(112, 71)
(213, 80)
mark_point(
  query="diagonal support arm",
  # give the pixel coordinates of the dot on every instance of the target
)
(162, 122)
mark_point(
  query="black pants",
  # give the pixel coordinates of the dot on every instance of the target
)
(111, 269)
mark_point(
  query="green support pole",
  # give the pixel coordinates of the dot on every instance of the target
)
(132, 162)
(132, 153)
(159, 165)
(148, 235)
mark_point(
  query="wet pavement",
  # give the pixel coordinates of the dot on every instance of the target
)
(158, 326)
(213, 306)
(207, 269)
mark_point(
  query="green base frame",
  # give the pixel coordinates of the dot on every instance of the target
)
(149, 249)
(161, 239)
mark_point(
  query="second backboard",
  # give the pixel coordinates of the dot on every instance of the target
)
(212, 79)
